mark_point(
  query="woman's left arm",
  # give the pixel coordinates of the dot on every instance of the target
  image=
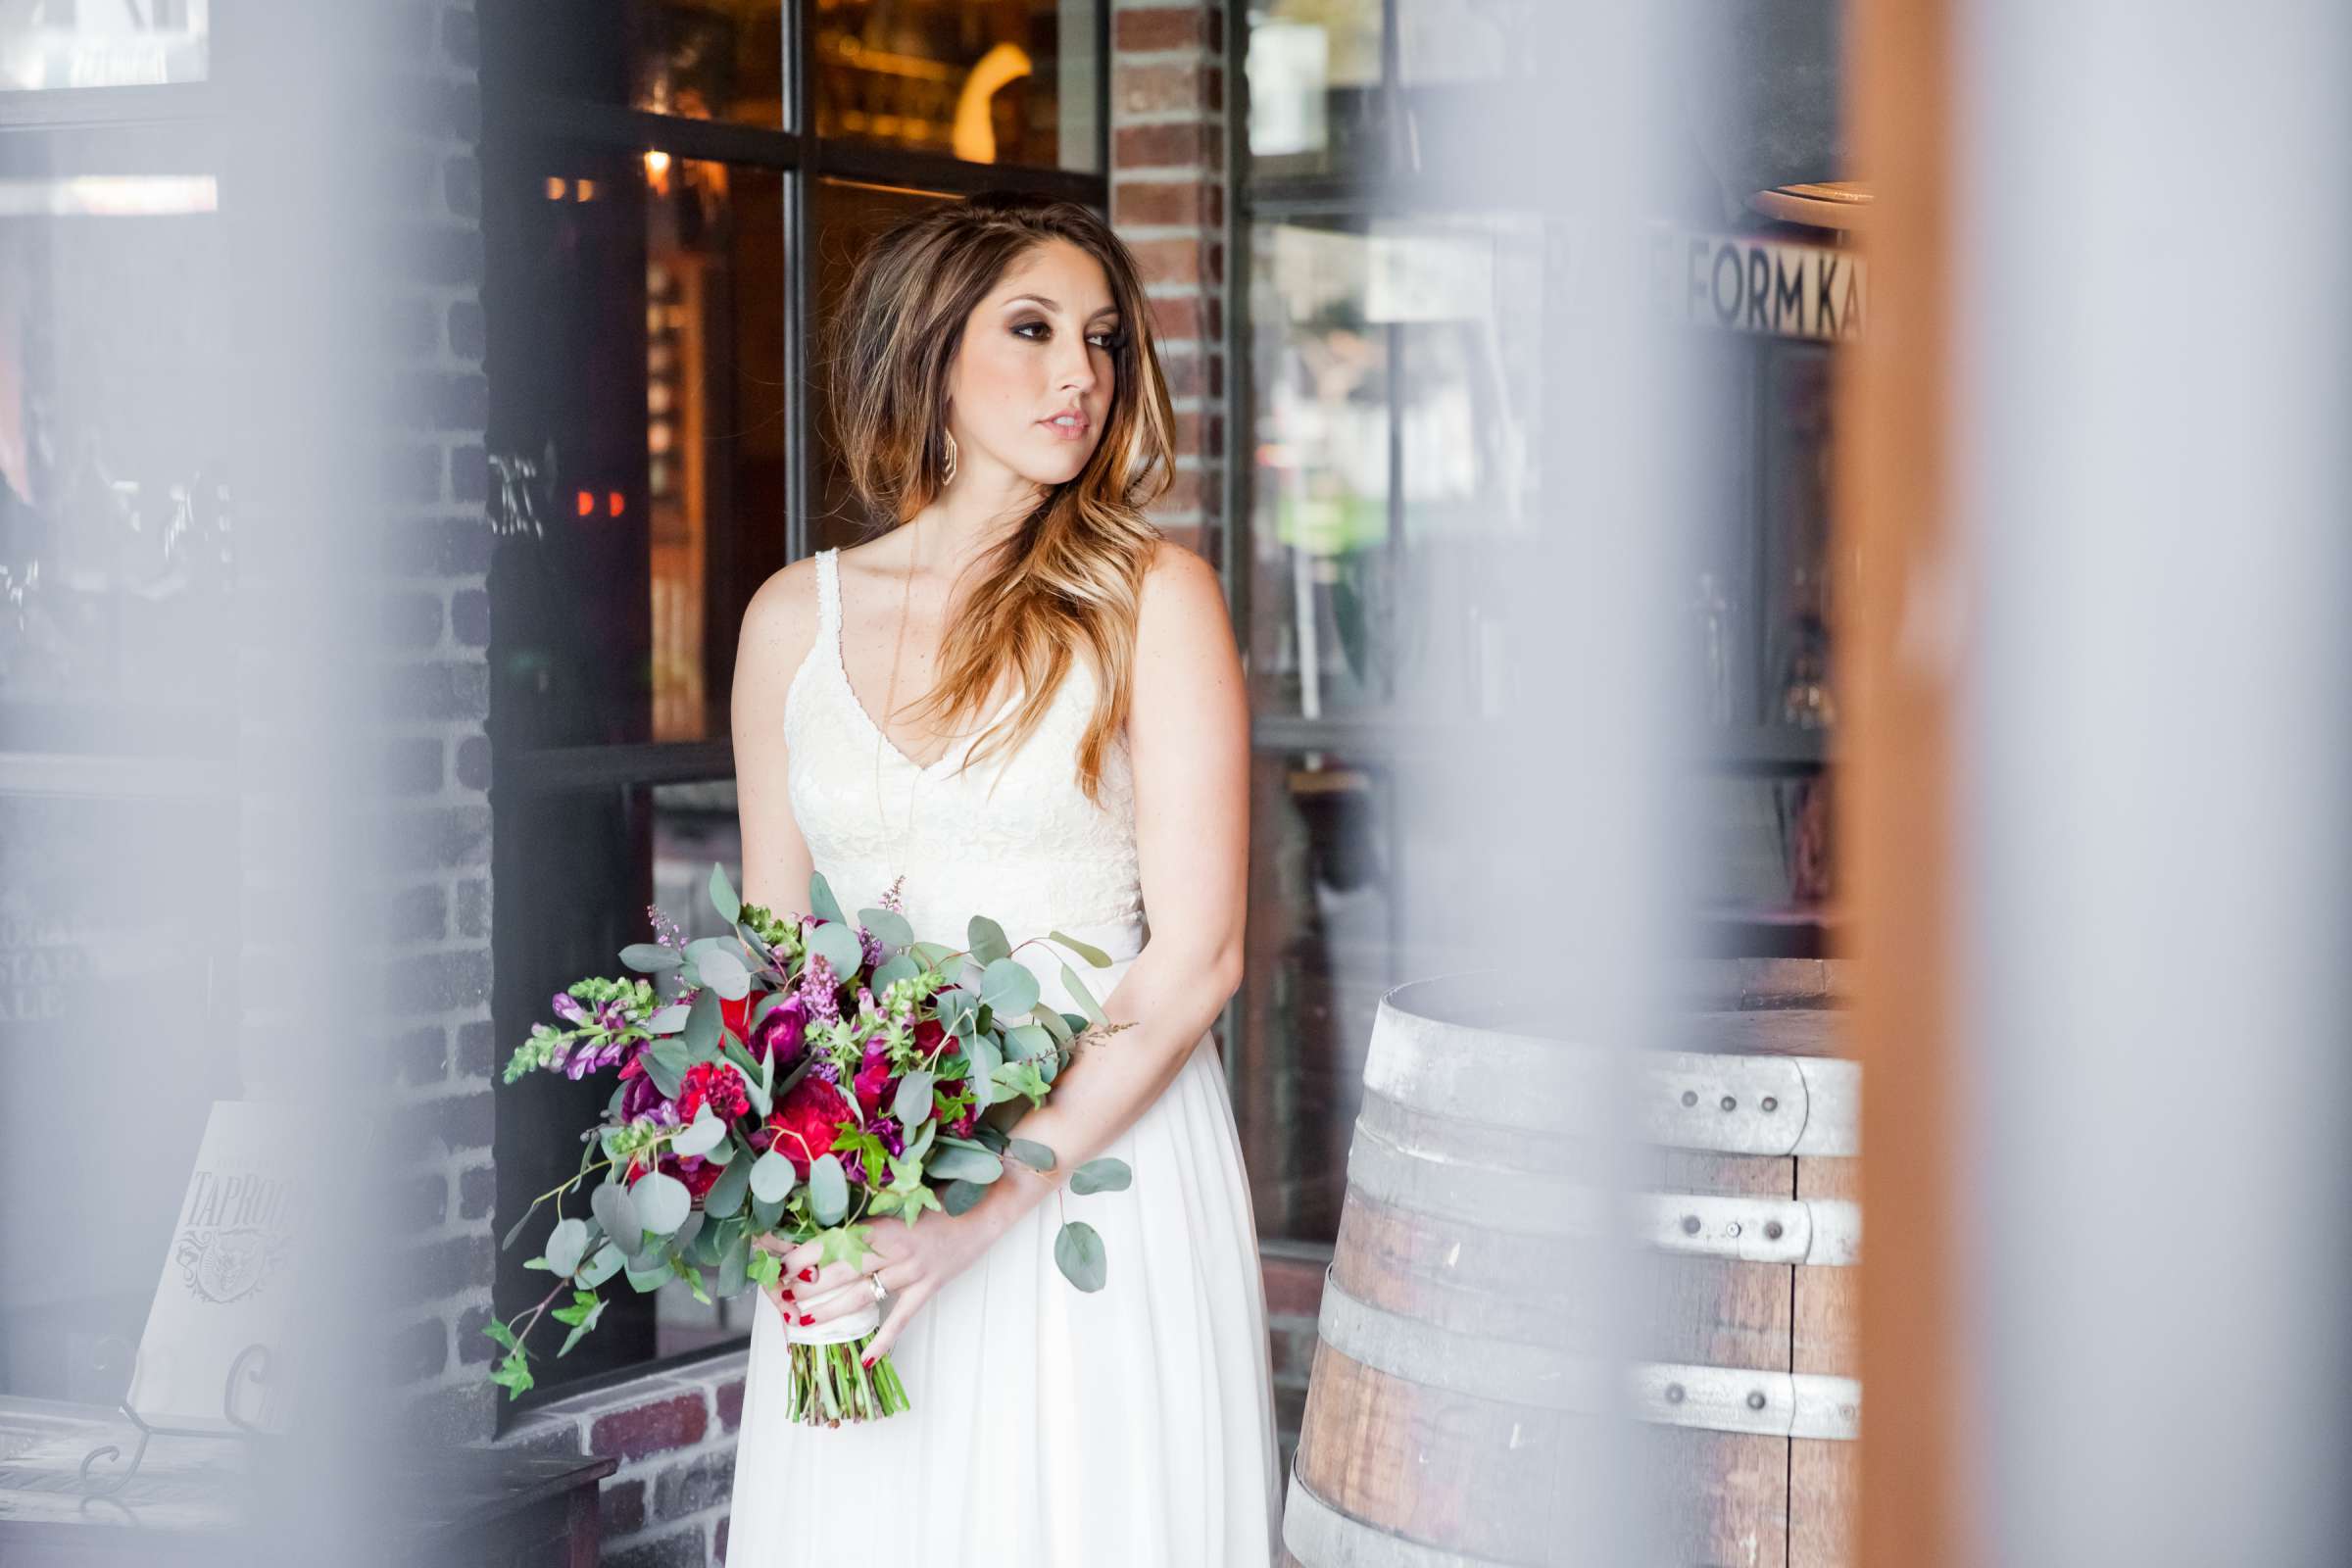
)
(1188, 736)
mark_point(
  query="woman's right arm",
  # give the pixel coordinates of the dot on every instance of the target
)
(778, 628)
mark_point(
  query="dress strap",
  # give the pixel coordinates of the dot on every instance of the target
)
(828, 597)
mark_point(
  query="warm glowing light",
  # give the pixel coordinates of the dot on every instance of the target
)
(587, 190)
(657, 170)
(975, 136)
(557, 187)
(587, 503)
(612, 504)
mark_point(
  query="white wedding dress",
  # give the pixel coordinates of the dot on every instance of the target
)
(1132, 1427)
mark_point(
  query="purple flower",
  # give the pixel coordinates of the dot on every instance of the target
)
(781, 1032)
(818, 986)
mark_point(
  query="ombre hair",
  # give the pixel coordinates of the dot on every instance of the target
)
(1066, 583)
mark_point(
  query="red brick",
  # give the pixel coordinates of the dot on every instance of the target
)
(1169, 260)
(621, 1509)
(651, 1428)
(1197, 201)
(1176, 318)
(1294, 1287)
(1171, 27)
(730, 1404)
(1187, 144)
(1158, 89)
(1182, 368)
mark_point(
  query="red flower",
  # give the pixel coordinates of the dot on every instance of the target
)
(715, 1084)
(873, 1080)
(806, 1122)
(737, 1015)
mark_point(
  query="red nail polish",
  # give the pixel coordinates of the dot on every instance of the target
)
(866, 1361)
(806, 1320)
(805, 1274)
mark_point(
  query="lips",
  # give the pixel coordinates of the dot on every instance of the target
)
(1070, 424)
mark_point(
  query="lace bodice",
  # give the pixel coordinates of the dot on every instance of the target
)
(1013, 837)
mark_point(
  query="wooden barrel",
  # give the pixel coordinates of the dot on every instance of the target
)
(1455, 1380)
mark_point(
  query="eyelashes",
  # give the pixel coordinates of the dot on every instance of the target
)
(1112, 340)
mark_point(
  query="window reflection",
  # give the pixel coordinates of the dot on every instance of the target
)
(104, 43)
(637, 439)
(1010, 82)
(1322, 914)
(115, 539)
(1314, 86)
(712, 60)
(1397, 382)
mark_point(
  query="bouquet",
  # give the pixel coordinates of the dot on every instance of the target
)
(807, 1077)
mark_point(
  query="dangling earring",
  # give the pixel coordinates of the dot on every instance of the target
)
(951, 473)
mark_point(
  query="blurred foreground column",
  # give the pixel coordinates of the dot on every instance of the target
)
(2099, 796)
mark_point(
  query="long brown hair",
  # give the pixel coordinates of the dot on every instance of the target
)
(1068, 581)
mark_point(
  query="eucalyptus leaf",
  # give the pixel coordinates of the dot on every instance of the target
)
(838, 946)
(959, 1162)
(1053, 1025)
(725, 1195)
(893, 969)
(734, 1261)
(959, 1196)
(1026, 1040)
(890, 927)
(986, 939)
(666, 1062)
(1105, 1175)
(602, 1265)
(821, 902)
(691, 1235)
(645, 1281)
(956, 1008)
(768, 1211)
(986, 1058)
(650, 957)
(1032, 1153)
(701, 1135)
(921, 1145)
(722, 894)
(771, 1178)
(617, 1211)
(1078, 1252)
(828, 1190)
(704, 1021)
(1007, 986)
(723, 972)
(668, 1022)
(913, 1106)
(1087, 950)
(515, 1229)
(933, 955)
(662, 1202)
(566, 1245)
(1086, 997)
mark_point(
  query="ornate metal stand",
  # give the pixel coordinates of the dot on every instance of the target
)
(252, 1365)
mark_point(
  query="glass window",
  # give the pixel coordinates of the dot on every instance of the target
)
(712, 60)
(637, 439)
(1315, 99)
(1396, 384)
(116, 545)
(104, 43)
(1322, 914)
(1014, 81)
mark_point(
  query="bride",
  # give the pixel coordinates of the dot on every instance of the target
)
(1021, 700)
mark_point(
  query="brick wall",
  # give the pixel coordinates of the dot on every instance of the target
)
(1168, 203)
(436, 760)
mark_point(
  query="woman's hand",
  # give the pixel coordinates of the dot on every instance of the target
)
(912, 1261)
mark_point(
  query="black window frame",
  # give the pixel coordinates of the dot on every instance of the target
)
(517, 117)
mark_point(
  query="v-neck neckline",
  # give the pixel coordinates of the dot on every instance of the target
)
(841, 668)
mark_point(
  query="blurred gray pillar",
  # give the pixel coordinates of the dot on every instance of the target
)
(2151, 427)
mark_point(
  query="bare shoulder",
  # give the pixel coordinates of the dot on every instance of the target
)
(1182, 610)
(779, 626)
